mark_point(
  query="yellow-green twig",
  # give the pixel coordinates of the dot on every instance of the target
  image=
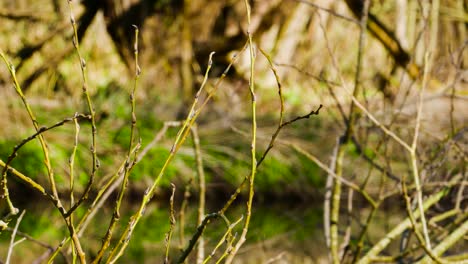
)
(251, 177)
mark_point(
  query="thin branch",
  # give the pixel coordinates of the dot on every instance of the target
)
(180, 139)
(201, 191)
(397, 230)
(208, 218)
(331, 12)
(92, 113)
(227, 237)
(172, 222)
(13, 235)
(253, 146)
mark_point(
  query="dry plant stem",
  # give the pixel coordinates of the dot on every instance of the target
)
(196, 236)
(13, 235)
(202, 191)
(29, 181)
(327, 198)
(128, 163)
(324, 167)
(30, 238)
(180, 139)
(56, 201)
(450, 184)
(460, 195)
(75, 240)
(123, 173)
(233, 197)
(281, 114)
(373, 212)
(186, 53)
(397, 230)
(193, 111)
(335, 204)
(336, 190)
(228, 249)
(33, 184)
(347, 236)
(183, 208)
(443, 216)
(277, 258)
(39, 133)
(36, 186)
(71, 162)
(98, 202)
(460, 258)
(132, 95)
(354, 99)
(226, 237)
(253, 142)
(331, 12)
(414, 224)
(281, 125)
(372, 162)
(360, 243)
(42, 141)
(445, 244)
(84, 196)
(318, 78)
(172, 221)
(410, 149)
(262, 158)
(414, 164)
(95, 162)
(110, 186)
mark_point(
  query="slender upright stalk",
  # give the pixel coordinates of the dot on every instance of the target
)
(251, 177)
(180, 139)
(414, 165)
(45, 149)
(129, 162)
(201, 191)
(350, 126)
(92, 112)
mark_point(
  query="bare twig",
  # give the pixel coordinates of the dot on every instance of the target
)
(93, 148)
(180, 139)
(253, 146)
(129, 162)
(327, 197)
(196, 236)
(226, 238)
(172, 222)
(201, 190)
(331, 12)
(13, 235)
